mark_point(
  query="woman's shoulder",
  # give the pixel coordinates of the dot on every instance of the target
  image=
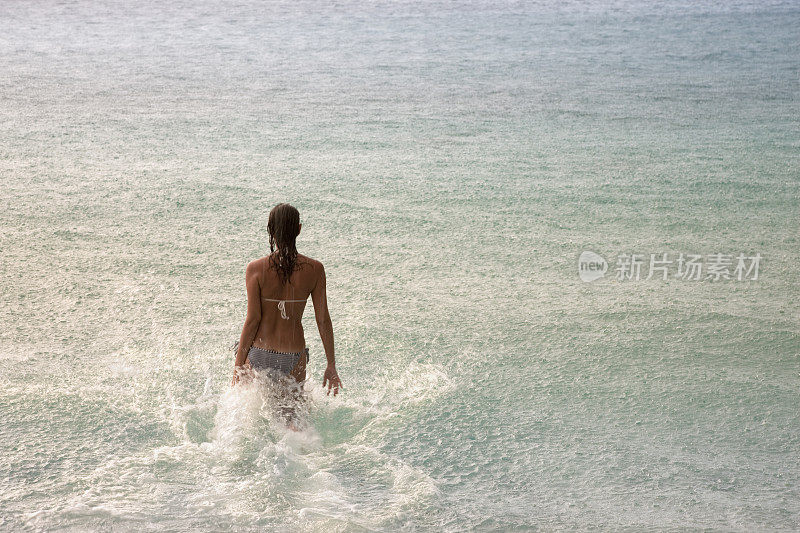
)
(305, 260)
(254, 267)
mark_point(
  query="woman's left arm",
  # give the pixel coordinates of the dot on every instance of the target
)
(253, 319)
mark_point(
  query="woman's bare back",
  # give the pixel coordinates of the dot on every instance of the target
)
(282, 305)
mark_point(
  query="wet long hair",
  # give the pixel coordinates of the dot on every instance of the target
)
(283, 227)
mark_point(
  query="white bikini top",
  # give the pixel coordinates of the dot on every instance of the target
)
(282, 306)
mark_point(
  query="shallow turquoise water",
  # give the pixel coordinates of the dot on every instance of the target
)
(450, 161)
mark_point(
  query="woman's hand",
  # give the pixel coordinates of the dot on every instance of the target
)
(331, 378)
(239, 372)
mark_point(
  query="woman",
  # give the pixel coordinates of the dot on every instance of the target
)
(277, 289)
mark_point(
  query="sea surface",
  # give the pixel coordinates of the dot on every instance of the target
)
(451, 161)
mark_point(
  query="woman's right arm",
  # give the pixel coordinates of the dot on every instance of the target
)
(320, 298)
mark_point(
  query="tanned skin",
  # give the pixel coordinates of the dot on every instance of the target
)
(265, 328)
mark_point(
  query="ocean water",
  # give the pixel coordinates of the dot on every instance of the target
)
(451, 161)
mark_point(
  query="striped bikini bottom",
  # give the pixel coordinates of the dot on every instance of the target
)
(288, 399)
(283, 362)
